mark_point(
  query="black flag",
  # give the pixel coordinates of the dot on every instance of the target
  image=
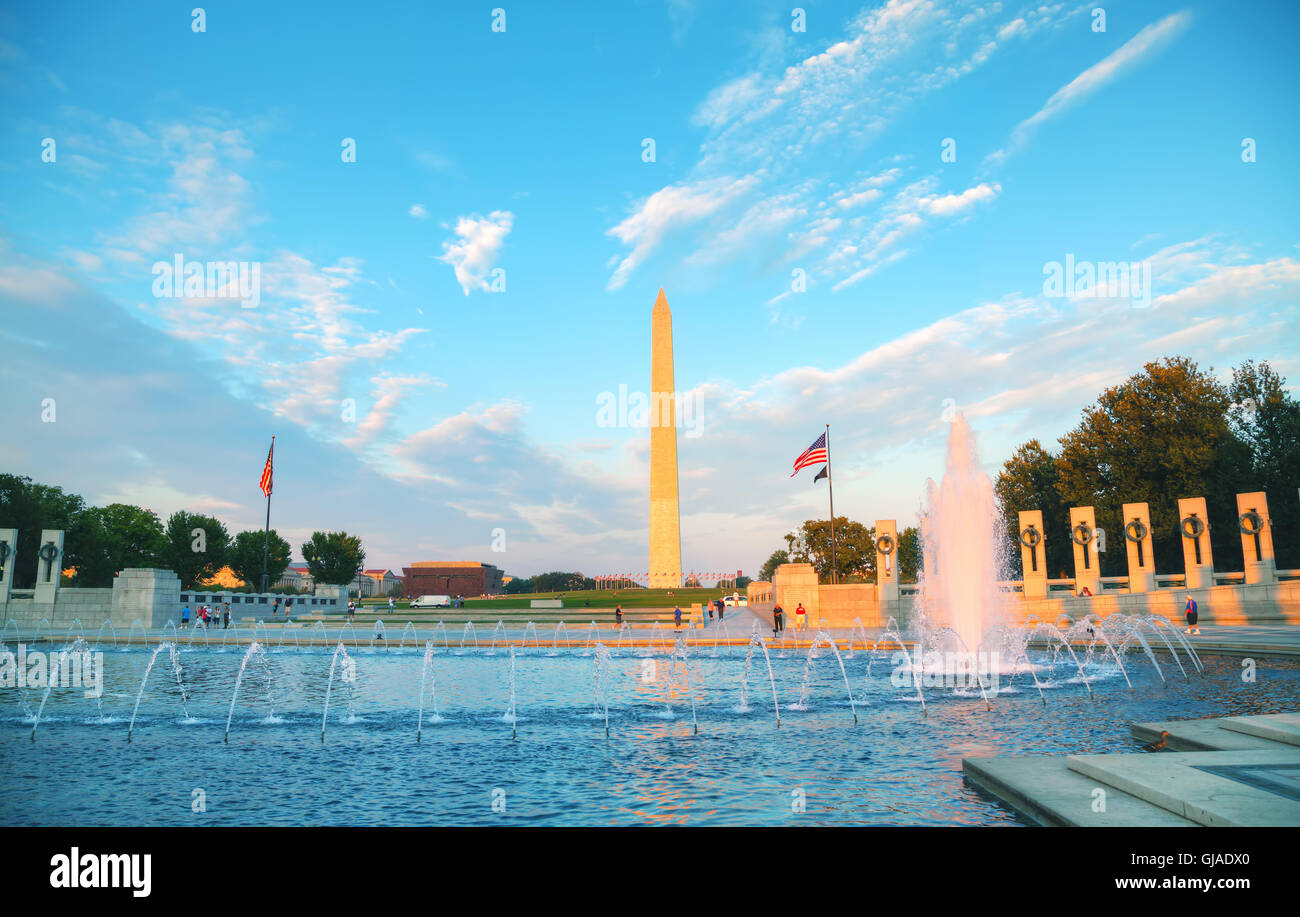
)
(821, 474)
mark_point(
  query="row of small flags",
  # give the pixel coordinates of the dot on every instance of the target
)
(615, 577)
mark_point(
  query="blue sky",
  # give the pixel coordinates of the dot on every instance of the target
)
(776, 152)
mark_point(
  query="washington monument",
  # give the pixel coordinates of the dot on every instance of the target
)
(665, 517)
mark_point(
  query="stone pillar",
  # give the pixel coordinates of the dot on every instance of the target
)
(152, 596)
(793, 584)
(1140, 545)
(1087, 566)
(1194, 532)
(886, 561)
(1256, 538)
(1033, 553)
(8, 560)
(49, 566)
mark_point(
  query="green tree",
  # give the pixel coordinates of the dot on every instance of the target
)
(855, 550)
(1267, 420)
(196, 548)
(333, 557)
(114, 537)
(1160, 435)
(1030, 480)
(909, 554)
(245, 557)
(29, 508)
(519, 586)
(769, 567)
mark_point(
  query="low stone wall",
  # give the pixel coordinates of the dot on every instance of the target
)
(152, 597)
(842, 605)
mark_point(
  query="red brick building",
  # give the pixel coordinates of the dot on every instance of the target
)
(451, 578)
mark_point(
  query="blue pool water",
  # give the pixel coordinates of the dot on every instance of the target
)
(894, 767)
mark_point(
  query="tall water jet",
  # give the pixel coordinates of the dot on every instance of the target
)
(254, 649)
(963, 530)
(329, 687)
(756, 642)
(64, 658)
(171, 649)
(424, 678)
(512, 715)
(601, 689)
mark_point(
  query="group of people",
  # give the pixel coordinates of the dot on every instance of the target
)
(208, 616)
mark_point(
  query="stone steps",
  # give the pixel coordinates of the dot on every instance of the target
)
(1229, 771)
(1048, 792)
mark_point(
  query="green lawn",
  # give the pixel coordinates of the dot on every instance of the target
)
(596, 598)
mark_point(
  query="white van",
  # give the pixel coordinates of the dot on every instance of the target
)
(431, 601)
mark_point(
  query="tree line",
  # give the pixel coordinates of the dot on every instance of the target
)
(101, 541)
(1172, 430)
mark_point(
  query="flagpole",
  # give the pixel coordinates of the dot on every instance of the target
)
(830, 486)
(266, 538)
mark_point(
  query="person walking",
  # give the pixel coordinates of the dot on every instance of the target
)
(390, 604)
(722, 609)
(778, 619)
(677, 617)
(800, 617)
(1191, 615)
(275, 607)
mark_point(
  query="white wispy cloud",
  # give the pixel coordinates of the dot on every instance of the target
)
(418, 211)
(1148, 41)
(667, 210)
(473, 253)
(827, 107)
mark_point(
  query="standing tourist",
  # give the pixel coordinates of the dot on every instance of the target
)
(185, 616)
(778, 619)
(800, 617)
(1191, 615)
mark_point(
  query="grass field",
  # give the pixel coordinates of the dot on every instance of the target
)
(594, 598)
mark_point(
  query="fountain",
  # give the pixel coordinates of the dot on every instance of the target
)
(821, 638)
(962, 533)
(255, 649)
(66, 656)
(601, 689)
(512, 716)
(756, 642)
(329, 687)
(425, 671)
(176, 670)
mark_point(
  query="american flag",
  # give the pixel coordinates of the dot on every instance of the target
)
(813, 455)
(265, 483)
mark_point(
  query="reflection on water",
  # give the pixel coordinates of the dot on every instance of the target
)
(895, 767)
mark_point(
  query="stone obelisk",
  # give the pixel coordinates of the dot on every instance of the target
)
(665, 519)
